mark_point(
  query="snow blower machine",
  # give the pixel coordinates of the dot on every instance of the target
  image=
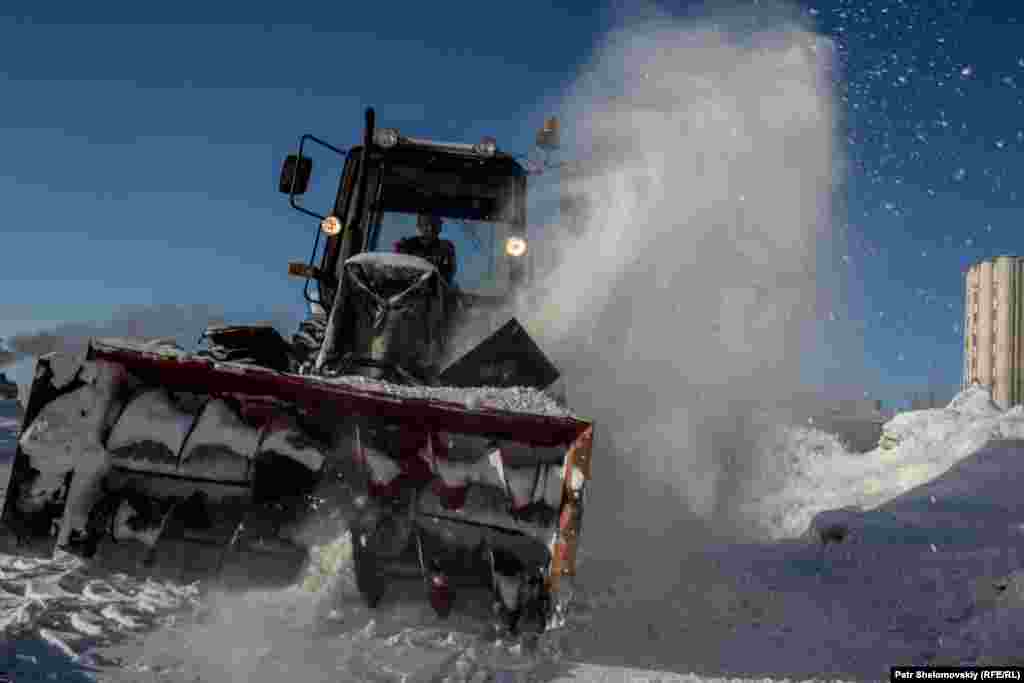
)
(410, 408)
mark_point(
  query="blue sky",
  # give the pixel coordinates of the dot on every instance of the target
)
(143, 157)
(141, 145)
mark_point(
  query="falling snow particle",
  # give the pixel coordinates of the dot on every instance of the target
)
(960, 174)
(967, 71)
(1000, 144)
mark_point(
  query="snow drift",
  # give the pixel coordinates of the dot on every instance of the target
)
(916, 447)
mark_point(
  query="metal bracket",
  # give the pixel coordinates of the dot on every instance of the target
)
(291, 194)
(291, 201)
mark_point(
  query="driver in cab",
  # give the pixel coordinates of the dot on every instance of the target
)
(429, 245)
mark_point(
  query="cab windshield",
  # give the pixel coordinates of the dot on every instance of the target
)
(479, 245)
(478, 208)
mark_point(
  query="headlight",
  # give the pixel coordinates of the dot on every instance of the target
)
(385, 137)
(331, 226)
(515, 246)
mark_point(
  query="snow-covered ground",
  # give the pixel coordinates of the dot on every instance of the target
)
(928, 572)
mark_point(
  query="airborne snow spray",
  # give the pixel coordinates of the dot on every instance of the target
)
(707, 161)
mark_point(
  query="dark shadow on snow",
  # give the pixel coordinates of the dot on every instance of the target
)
(33, 659)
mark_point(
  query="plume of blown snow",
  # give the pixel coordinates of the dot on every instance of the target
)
(681, 310)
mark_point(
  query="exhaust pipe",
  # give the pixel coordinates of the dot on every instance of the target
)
(371, 119)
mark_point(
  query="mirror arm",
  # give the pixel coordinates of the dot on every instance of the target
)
(295, 178)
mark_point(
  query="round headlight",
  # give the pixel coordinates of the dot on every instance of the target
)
(385, 137)
(515, 246)
(331, 226)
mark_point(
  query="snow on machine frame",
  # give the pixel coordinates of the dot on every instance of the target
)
(234, 461)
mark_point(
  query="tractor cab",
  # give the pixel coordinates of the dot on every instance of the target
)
(395, 314)
(478, 201)
(476, 191)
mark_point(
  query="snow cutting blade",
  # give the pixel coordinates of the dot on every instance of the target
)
(72, 460)
(537, 423)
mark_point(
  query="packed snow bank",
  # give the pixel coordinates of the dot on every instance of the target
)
(819, 475)
(994, 633)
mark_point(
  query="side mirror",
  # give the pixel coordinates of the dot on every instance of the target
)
(295, 171)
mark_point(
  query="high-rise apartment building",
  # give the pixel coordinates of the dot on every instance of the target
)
(994, 328)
